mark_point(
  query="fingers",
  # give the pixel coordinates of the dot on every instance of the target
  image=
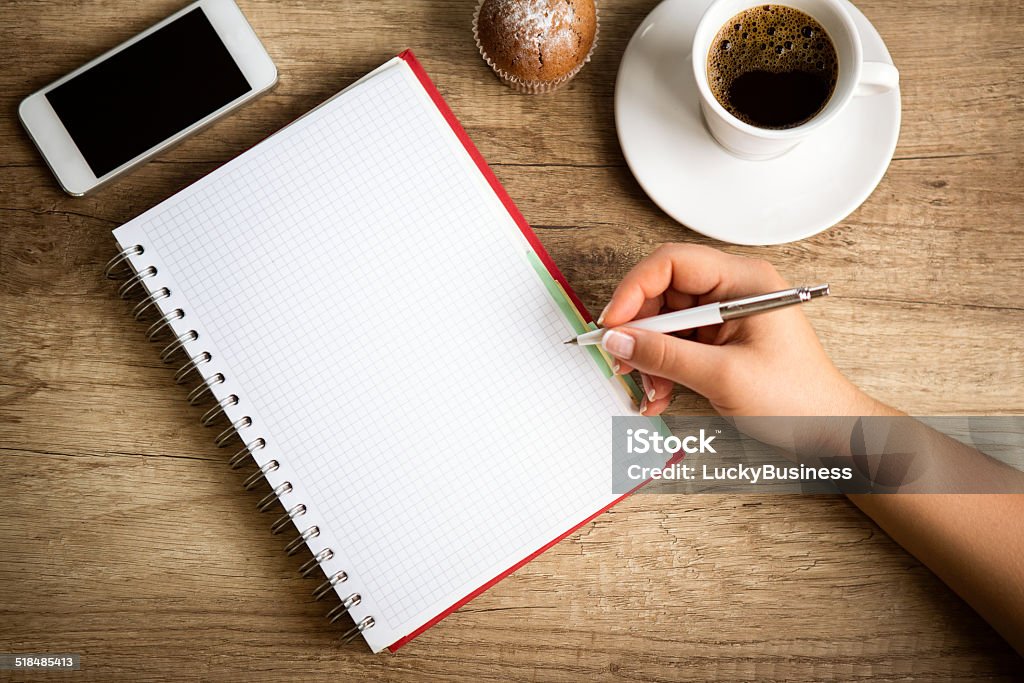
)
(621, 367)
(689, 271)
(648, 279)
(679, 276)
(657, 394)
(656, 407)
(663, 387)
(651, 307)
(647, 309)
(689, 363)
(655, 387)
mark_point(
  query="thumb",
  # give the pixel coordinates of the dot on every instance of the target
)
(692, 364)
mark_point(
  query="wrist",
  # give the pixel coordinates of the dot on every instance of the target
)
(832, 436)
(854, 402)
(867, 406)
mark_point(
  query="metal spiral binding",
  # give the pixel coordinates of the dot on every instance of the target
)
(178, 344)
(218, 409)
(282, 522)
(191, 366)
(327, 586)
(238, 459)
(342, 609)
(163, 323)
(121, 260)
(256, 477)
(206, 386)
(267, 501)
(349, 635)
(120, 267)
(300, 540)
(149, 301)
(312, 564)
(224, 438)
(125, 290)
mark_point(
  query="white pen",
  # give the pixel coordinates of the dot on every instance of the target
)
(712, 314)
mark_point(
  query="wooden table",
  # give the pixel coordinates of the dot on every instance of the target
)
(124, 537)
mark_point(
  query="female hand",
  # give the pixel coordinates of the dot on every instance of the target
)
(771, 364)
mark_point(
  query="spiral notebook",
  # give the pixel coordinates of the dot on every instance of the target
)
(367, 317)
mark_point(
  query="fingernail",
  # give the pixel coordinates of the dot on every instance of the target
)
(615, 368)
(600, 318)
(643, 406)
(648, 386)
(619, 344)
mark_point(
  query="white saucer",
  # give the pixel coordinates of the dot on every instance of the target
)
(694, 180)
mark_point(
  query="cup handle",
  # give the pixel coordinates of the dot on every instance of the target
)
(877, 78)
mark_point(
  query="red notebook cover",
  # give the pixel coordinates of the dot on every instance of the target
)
(535, 243)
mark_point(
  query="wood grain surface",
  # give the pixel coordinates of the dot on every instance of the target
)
(124, 536)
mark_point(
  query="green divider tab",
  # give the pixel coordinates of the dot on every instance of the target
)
(569, 311)
(579, 325)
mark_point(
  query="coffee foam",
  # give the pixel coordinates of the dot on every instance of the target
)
(772, 38)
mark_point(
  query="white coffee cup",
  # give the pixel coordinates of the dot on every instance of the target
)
(855, 78)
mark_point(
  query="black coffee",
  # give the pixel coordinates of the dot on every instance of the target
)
(772, 67)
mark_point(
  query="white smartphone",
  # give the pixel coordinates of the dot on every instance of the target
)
(147, 94)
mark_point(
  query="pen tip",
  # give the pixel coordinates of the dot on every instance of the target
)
(570, 341)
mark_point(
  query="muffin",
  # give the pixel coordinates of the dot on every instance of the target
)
(536, 46)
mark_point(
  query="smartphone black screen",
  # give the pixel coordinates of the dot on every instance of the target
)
(149, 91)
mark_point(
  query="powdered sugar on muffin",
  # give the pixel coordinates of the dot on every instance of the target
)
(537, 22)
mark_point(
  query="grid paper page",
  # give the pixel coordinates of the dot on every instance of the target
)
(368, 295)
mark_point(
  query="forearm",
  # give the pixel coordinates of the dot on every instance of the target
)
(973, 542)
